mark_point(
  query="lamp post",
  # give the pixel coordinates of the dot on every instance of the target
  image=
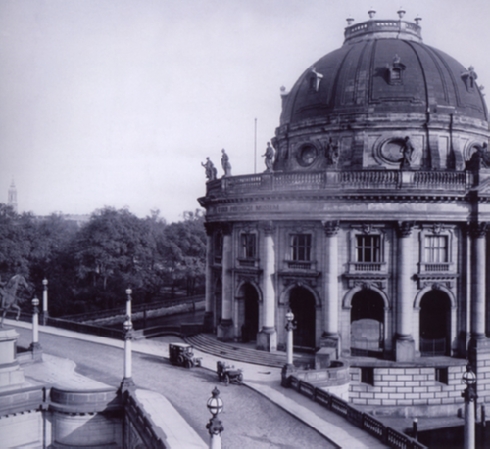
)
(45, 301)
(128, 303)
(128, 336)
(35, 347)
(469, 394)
(288, 368)
(214, 426)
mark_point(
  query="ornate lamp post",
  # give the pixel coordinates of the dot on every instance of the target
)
(35, 347)
(288, 368)
(45, 301)
(128, 303)
(128, 336)
(215, 406)
(469, 394)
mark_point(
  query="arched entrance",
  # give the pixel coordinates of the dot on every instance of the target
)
(367, 323)
(435, 324)
(250, 325)
(303, 305)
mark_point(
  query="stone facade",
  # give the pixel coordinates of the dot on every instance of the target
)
(371, 225)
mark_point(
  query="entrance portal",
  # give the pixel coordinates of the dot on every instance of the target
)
(367, 319)
(250, 325)
(435, 324)
(303, 305)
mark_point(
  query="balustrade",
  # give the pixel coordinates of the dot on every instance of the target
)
(336, 181)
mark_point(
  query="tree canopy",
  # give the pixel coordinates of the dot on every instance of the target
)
(89, 266)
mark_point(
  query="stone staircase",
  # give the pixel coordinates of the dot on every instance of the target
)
(244, 353)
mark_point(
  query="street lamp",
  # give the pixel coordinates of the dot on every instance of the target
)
(469, 394)
(35, 347)
(45, 301)
(128, 336)
(288, 368)
(128, 303)
(214, 426)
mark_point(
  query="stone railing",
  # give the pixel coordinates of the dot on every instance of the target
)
(387, 435)
(343, 181)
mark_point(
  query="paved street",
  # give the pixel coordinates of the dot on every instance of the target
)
(250, 420)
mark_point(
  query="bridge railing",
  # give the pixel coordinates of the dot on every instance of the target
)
(387, 435)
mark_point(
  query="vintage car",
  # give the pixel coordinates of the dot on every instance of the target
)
(227, 373)
(182, 354)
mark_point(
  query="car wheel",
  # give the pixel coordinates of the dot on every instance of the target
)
(180, 360)
(240, 378)
(188, 364)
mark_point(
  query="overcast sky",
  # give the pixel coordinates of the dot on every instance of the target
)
(117, 102)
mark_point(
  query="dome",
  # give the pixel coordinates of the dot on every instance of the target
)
(383, 66)
(382, 95)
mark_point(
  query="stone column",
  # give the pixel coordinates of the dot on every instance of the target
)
(405, 344)
(479, 345)
(478, 279)
(330, 338)
(267, 337)
(208, 311)
(225, 329)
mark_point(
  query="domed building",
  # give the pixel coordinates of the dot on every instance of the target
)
(369, 223)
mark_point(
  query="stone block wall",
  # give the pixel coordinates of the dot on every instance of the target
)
(412, 390)
(21, 429)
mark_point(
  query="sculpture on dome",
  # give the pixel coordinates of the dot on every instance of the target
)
(211, 171)
(269, 157)
(8, 292)
(407, 150)
(225, 163)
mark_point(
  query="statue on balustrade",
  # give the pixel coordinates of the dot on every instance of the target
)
(407, 151)
(225, 163)
(211, 170)
(480, 158)
(332, 152)
(269, 157)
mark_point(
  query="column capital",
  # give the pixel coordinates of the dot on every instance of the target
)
(268, 227)
(404, 228)
(478, 229)
(331, 228)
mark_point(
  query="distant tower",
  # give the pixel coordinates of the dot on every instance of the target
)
(13, 196)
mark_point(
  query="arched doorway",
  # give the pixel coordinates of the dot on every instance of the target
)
(303, 305)
(367, 323)
(435, 324)
(250, 325)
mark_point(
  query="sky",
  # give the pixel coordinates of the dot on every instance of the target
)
(117, 102)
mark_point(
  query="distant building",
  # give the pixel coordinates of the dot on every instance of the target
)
(370, 223)
(12, 196)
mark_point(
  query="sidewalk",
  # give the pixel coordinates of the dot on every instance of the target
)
(265, 380)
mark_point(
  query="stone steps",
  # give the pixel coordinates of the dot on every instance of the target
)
(210, 345)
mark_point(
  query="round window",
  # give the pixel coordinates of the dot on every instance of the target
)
(307, 155)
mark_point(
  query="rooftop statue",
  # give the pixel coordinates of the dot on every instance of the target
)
(407, 154)
(225, 163)
(8, 292)
(211, 171)
(269, 157)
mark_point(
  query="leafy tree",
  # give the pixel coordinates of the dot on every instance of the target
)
(186, 251)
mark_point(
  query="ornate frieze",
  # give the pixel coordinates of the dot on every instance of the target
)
(367, 280)
(435, 281)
